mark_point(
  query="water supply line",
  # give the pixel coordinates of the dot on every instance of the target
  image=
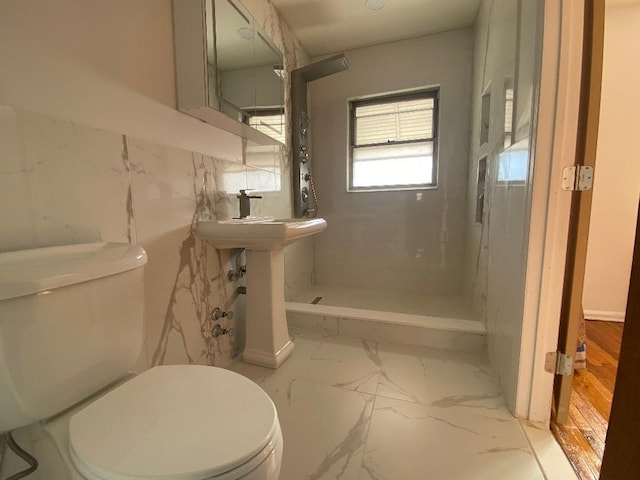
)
(23, 454)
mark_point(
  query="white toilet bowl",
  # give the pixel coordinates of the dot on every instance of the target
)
(71, 328)
(181, 422)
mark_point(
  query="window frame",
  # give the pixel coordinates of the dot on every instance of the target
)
(423, 93)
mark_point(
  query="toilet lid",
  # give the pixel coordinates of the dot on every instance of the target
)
(182, 422)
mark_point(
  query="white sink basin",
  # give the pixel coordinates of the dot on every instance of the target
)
(267, 341)
(258, 233)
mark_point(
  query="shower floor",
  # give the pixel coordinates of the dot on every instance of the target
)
(444, 306)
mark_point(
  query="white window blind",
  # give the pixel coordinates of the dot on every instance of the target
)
(394, 122)
(508, 116)
(508, 110)
(393, 142)
(410, 164)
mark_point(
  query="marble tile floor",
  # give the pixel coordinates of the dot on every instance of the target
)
(364, 410)
(449, 306)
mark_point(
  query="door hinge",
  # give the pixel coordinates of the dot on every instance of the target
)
(577, 178)
(558, 363)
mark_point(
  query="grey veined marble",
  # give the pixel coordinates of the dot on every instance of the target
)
(69, 183)
(363, 410)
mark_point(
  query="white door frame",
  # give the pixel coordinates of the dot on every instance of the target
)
(553, 148)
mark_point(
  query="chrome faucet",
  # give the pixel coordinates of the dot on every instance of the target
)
(245, 205)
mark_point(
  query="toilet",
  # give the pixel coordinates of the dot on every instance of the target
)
(71, 328)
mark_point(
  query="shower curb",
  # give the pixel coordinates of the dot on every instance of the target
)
(428, 331)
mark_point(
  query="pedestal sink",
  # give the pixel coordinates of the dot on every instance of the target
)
(267, 337)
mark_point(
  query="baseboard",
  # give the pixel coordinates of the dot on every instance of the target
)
(268, 359)
(603, 315)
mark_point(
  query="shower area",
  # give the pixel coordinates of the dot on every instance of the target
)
(395, 252)
(446, 255)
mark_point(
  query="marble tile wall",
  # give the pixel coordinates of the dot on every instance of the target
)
(67, 183)
(495, 258)
(394, 240)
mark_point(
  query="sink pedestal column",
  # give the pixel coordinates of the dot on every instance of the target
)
(267, 337)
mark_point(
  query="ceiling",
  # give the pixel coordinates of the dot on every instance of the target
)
(331, 26)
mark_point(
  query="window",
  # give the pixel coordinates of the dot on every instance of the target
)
(394, 142)
(508, 112)
(513, 164)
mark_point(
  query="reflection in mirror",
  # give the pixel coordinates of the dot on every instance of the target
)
(259, 173)
(513, 164)
(248, 73)
(263, 174)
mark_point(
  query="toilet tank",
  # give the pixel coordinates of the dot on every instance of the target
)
(71, 323)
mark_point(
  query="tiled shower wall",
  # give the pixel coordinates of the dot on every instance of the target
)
(403, 240)
(495, 260)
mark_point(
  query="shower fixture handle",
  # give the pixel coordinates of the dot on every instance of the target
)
(304, 155)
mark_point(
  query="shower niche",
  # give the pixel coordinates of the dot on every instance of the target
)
(229, 72)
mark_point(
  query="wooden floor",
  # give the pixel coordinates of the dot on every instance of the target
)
(582, 438)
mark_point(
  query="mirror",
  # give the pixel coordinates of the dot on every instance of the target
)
(218, 40)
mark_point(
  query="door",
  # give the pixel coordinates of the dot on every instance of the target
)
(571, 311)
(621, 459)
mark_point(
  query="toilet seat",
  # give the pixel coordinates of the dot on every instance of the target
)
(182, 422)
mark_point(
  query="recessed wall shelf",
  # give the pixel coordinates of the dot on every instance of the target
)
(480, 188)
(485, 116)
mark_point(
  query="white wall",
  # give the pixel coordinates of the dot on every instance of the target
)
(617, 175)
(394, 240)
